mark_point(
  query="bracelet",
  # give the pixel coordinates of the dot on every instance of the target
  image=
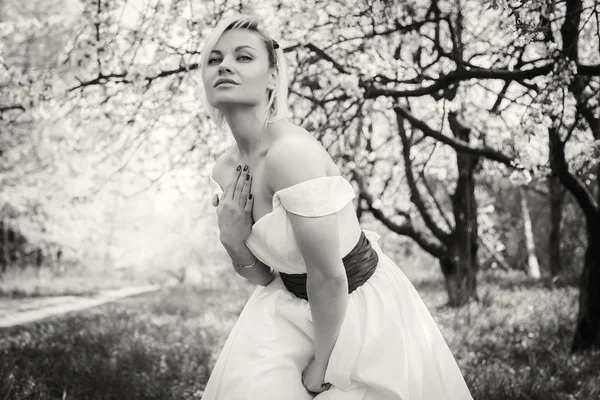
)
(244, 266)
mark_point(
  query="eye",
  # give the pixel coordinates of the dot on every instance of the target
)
(246, 57)
(212, 60)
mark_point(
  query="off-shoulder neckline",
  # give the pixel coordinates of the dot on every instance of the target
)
(273, 207)
(289, 187)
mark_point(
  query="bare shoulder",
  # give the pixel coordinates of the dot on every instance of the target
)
(295, 156)
(223, 164)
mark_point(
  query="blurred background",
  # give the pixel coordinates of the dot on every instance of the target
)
(470, 130)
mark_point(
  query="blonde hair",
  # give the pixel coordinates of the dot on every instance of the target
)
(277, 107)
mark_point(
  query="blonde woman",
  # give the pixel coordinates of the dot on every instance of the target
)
(333, 317)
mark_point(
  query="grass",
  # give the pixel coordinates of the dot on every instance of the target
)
(513, 344)
(149, 347)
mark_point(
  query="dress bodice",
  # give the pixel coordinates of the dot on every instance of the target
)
(272, 239)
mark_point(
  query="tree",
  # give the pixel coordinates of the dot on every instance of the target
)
(533, 266)
(383, 44)
(471, 92)
(445, 64)
(28, 152)
(63, 150)
(584, 90)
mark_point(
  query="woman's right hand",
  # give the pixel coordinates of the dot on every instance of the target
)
(234, 210)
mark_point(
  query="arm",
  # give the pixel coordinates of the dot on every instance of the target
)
(326, 281)
(261, 274)
(292, 160)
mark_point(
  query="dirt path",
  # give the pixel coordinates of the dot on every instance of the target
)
(15, 312)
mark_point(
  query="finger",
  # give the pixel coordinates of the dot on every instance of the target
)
(239, 185)
(246, 189)
(230, 189)
(249, 205)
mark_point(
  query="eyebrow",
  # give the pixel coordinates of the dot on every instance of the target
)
(236, 49)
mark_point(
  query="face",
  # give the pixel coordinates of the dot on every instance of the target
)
(237, 71)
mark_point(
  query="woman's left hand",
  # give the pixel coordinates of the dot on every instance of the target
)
(313, 377)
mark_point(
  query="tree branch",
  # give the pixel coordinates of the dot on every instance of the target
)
(588, 70)
(457, 144)
(570, 34)
(327, 57)
(433, 247)
(414, 26)
(371, 91)
(478, 73)
(415, 195)
(572, 182)
(102, 78)
(436, 201)
(12, 107)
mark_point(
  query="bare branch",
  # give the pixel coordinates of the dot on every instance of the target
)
(120, 77)
(372, 92)
(433, 247)
(588, 70)
(327, 57)
(457, 144)
(438, 205)
(477, 73)
(414, 26)
(415, 195)
(572, 182)
(12, 107)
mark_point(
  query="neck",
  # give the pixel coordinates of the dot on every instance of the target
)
(252, 136)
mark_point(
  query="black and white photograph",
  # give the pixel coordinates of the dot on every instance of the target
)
(296, 200)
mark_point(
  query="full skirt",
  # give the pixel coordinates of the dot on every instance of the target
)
(389, 347)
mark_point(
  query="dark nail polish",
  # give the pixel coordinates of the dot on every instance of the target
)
(245, 168)
(238, 168)
(250, 196)
(247, 176)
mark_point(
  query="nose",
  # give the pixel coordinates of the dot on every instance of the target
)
(224, 67)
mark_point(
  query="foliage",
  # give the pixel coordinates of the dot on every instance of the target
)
(76, 174)
(504, 216)
(163, 346)
(114, 97)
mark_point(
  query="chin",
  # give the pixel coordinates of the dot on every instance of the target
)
(223, 102)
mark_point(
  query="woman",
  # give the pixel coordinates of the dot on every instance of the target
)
(333, 316)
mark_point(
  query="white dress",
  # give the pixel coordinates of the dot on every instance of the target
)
(389, 346)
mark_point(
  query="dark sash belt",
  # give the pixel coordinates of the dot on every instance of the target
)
(360, 264)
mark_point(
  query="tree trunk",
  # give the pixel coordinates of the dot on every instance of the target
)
(5, 247)
(460, 268)
(457, 249)
(533, 266)
(557, 198)
(456, 281)
(587, 332)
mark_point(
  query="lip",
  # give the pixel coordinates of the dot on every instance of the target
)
(225, 80)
